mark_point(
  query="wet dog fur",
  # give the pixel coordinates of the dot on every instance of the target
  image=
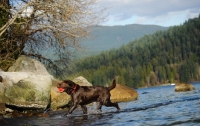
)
(83, 95)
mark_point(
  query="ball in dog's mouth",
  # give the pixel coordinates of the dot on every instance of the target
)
(61, 90)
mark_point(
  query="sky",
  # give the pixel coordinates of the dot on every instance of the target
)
(157, 12)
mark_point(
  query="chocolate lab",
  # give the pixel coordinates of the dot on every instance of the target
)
(82, 95)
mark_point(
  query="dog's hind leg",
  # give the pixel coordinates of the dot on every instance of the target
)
(110, 104)
(84, 108)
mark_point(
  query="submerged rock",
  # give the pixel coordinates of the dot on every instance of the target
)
(184, 87)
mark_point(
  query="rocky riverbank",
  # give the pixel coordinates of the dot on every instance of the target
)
(27, 89)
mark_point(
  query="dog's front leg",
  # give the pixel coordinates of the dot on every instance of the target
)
(72, 109)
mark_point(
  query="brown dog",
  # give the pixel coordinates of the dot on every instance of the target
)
(82, 95)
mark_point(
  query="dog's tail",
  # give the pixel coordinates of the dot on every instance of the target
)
(113, 85)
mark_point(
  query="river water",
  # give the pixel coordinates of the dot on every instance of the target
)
(156, 106)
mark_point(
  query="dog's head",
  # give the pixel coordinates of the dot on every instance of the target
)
(67, 86)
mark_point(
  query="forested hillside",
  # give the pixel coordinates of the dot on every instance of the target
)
(164, 57)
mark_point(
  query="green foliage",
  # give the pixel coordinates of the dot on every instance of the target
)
(164, 57)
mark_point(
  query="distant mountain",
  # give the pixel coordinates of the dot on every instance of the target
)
(170, 56)
(108, 37)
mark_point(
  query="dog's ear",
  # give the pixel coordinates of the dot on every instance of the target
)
(70, 83)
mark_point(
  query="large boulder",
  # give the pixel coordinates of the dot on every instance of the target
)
(27, 64)
(82, 81)
(25, 89)
(61, 99)
(181, 87)
(9, 79)
(122, 93)
(27, 84)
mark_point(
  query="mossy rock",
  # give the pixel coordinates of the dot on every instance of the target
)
(33, 91)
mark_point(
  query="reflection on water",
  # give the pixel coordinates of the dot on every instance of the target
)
(155, 106)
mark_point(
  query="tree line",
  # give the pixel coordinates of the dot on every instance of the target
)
(164, 57)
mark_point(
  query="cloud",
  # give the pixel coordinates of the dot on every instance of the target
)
(155, 11)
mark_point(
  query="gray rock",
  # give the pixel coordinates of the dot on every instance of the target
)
(27, 64)
(25, 90)
(82, 81)
(26, 84)
(10, 78)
